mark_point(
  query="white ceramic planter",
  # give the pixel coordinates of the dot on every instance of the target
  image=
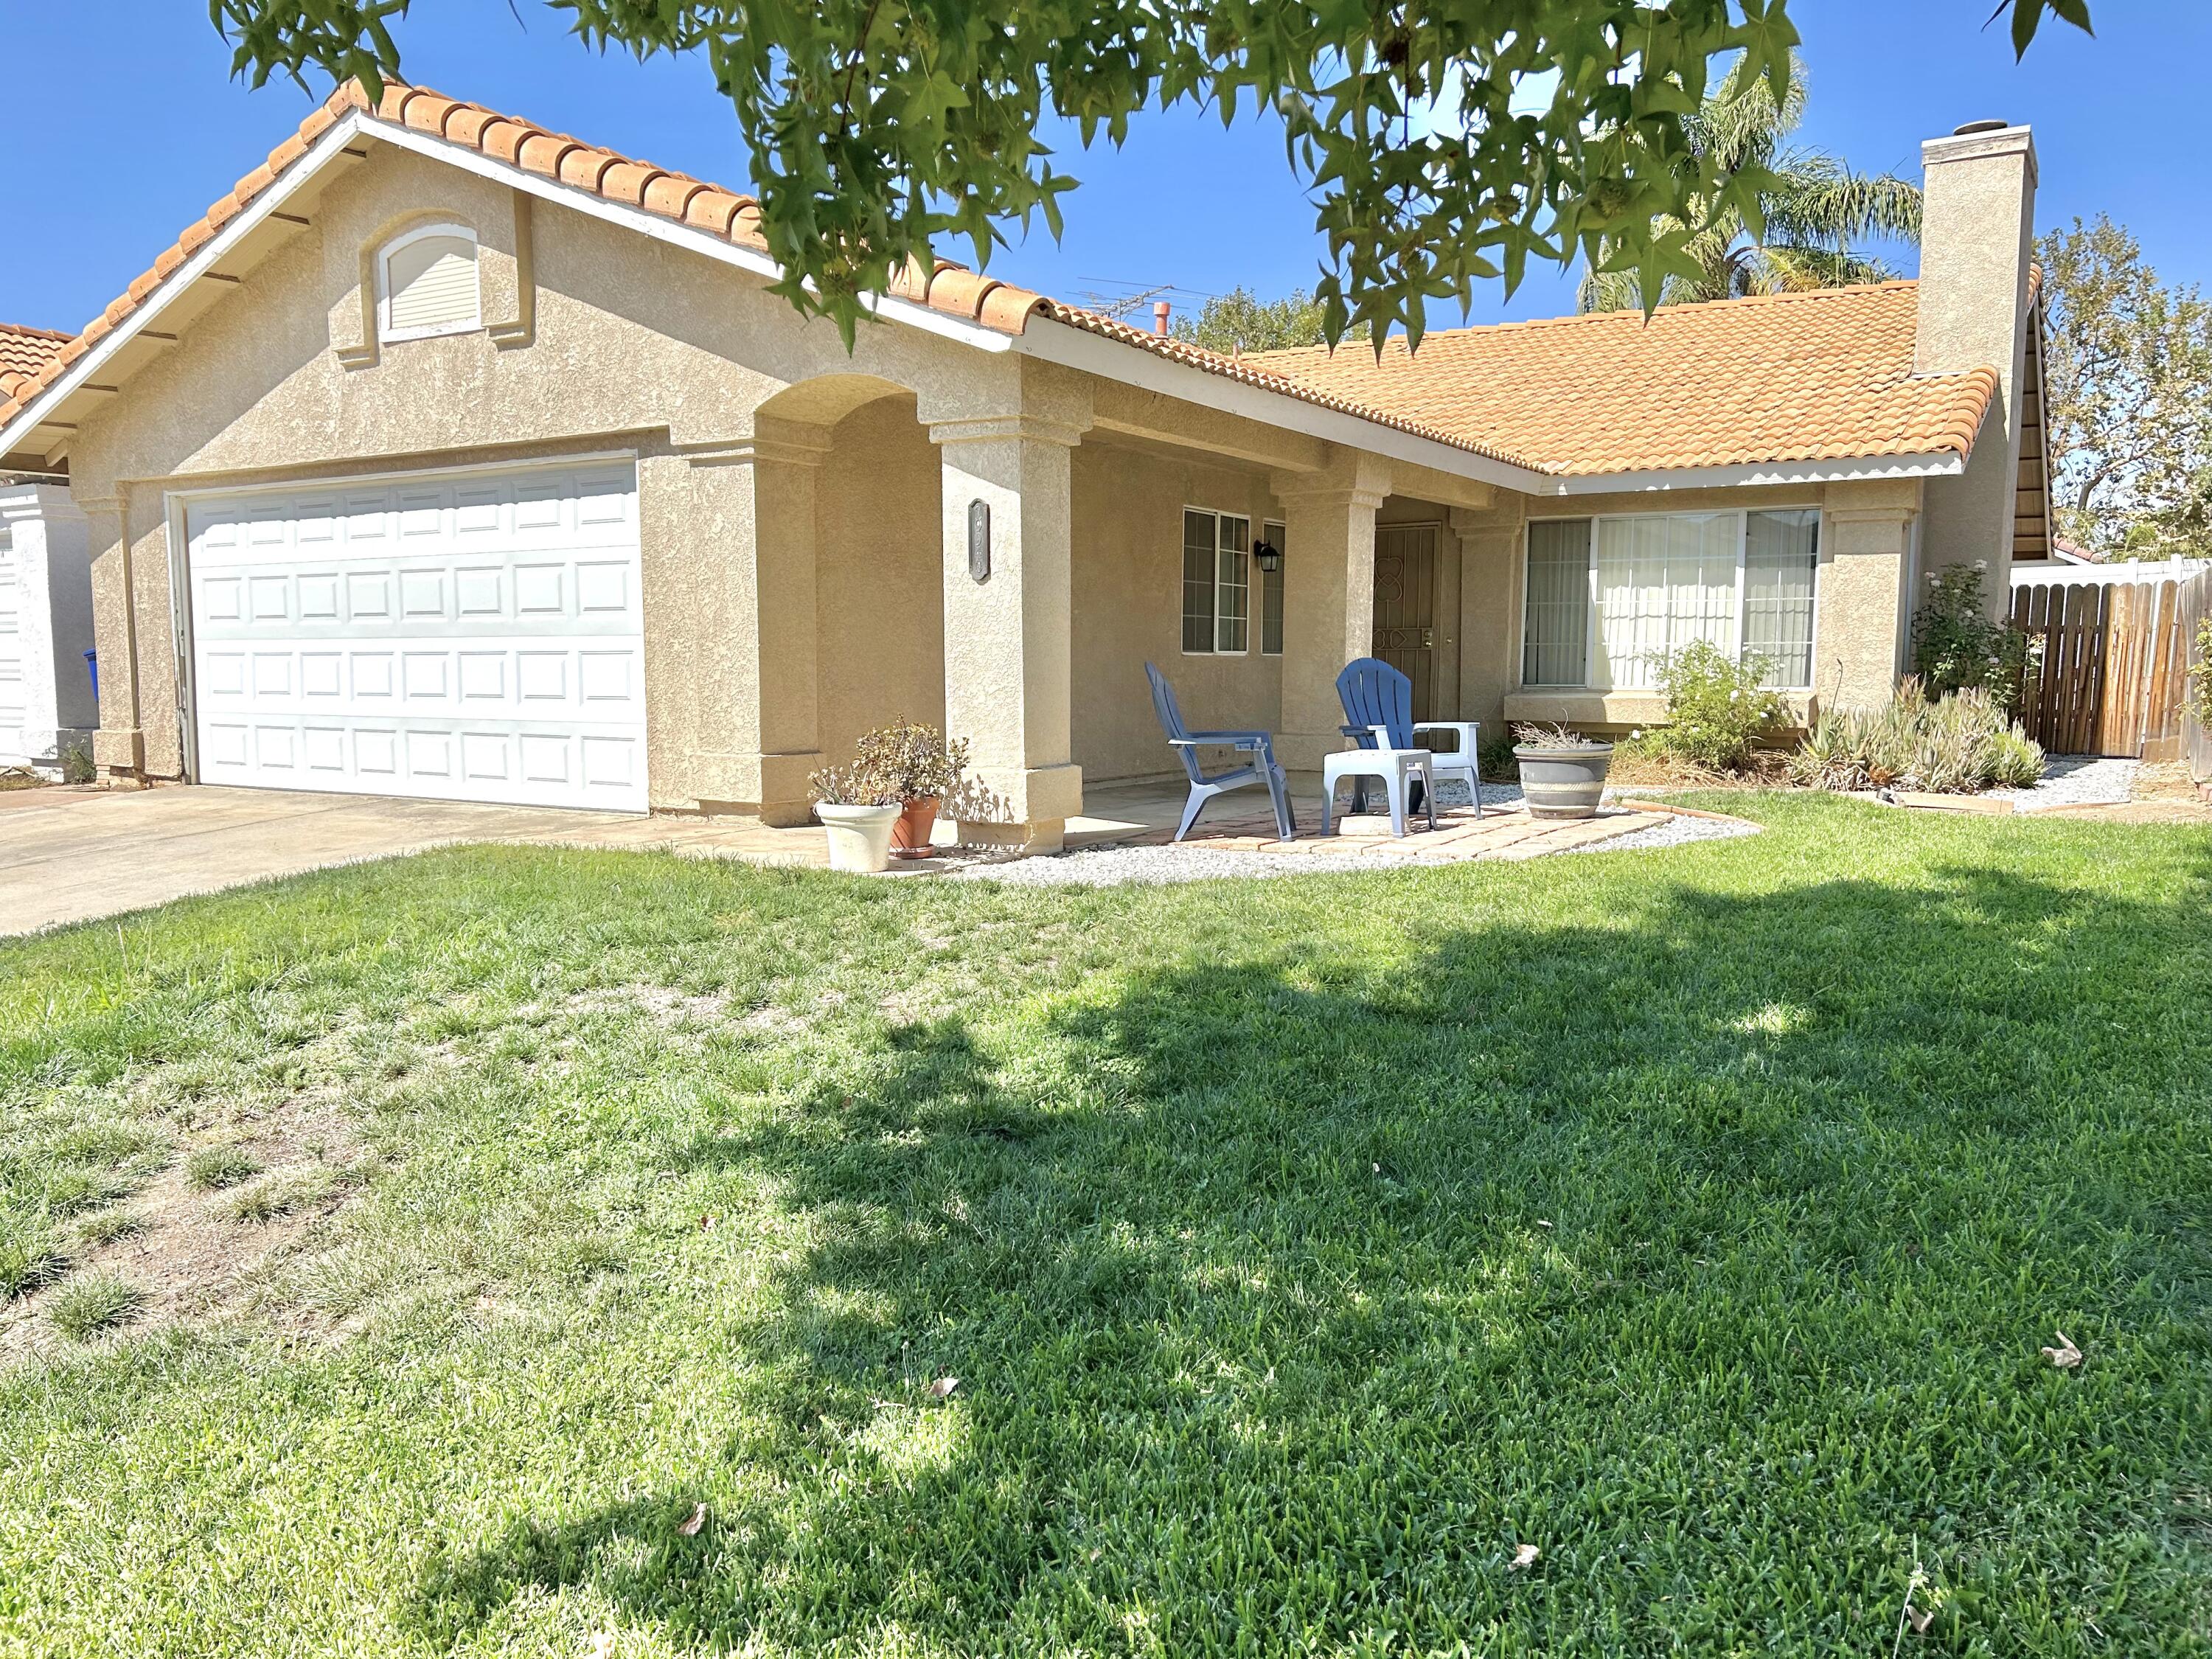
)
(859, 836)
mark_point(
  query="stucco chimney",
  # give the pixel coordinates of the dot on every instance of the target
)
(1977, 239)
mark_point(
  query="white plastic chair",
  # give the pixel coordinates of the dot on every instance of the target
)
(1398, 768)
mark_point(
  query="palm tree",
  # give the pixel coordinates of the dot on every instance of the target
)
(1817, 208)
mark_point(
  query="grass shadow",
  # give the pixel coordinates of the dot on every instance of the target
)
(1292, 1289)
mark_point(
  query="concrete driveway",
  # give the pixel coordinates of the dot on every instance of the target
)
(70, 855)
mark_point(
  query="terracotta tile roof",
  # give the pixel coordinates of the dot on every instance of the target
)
(23, 353)
(1259, 371)
(1802, 377)
(1826, 375)
(950, 287)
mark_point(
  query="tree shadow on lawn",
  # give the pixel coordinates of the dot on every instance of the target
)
(1711, 1251)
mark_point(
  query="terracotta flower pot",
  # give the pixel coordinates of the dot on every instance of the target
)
(910, 835)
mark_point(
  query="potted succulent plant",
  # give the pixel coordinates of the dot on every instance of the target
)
(858, 812)
(915, 765)
(1562, 772)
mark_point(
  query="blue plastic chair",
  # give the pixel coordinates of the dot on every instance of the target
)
(1261, 746)
(1373, 693)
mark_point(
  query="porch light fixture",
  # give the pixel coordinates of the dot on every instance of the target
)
(1268, 557)
(979, 539)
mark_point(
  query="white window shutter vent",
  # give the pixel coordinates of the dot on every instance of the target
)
(431, 286)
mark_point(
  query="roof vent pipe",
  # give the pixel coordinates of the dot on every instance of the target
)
(1160, 308)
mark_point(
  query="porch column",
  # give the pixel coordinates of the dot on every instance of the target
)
(1490, 576)
(1863, 621)
(1329, 597)
(755, 698)
(1008, 656)
(118, 747)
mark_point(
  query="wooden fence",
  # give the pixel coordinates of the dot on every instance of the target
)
(2114, 676)
(2192, 740)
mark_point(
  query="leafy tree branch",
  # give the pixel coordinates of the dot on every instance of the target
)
(875, 126)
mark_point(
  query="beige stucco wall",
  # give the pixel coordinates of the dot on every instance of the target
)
(636, 346)
(880, 592)
(1128, 607)
(1861, 613)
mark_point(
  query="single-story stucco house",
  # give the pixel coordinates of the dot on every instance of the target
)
(46, 708)
(450, 457)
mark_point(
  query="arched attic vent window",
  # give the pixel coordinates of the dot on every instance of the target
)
(427, 284)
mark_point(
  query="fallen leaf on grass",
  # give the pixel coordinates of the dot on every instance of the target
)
(943, 1387)
(2065, 1356)
(690, 1528)
(1919, 1618)
(706, 1224)
(1523, 1559)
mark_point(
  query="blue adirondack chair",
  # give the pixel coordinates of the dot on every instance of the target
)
(1261, 746)
(1373, 693)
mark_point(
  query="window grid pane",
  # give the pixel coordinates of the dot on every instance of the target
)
(1556, 645)
(1663, 581)
(1233, 600)
(1271, 596)
(1781, 558)
(1198, 544)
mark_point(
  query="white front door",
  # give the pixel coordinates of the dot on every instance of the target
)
(471, 636)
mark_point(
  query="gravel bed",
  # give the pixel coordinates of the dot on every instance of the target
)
(1111, 867)
(2076, 781)
(1675, 832)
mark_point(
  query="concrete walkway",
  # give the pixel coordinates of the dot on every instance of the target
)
(74, 854)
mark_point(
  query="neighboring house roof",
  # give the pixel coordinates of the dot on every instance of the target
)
(1824, 375)
(24, 352)
(1796, 378)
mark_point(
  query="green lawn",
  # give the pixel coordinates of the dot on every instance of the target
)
(1303, 1247)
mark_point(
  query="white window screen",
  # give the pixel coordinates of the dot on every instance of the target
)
(1271, 596)
(1781, 556)
(430, 286)
(1198, 546)
(1662, 582)
(1555, 648)
(1232, 599)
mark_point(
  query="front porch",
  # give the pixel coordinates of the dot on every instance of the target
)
(1144, 813)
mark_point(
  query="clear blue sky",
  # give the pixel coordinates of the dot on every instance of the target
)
(122, 123)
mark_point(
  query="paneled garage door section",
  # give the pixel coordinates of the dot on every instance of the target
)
(478, 638)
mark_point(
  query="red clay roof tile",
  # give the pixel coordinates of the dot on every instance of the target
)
(1798, 378)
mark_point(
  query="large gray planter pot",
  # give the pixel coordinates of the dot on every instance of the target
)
(1563, 783)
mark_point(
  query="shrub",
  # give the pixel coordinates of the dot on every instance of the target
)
(1494, 754)
(82, 1310)
(894, 764)
(1717, 709)
(911, 761)
(1954, 744)
(1955, 646)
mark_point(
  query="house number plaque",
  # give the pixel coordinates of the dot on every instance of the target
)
(979, 540)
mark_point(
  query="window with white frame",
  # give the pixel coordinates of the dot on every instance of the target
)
(1217, 583)
(1271, 592)
(1610, 599)
(427, 284)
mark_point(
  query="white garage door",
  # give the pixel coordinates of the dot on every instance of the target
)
(478, 637)
(14, 677)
